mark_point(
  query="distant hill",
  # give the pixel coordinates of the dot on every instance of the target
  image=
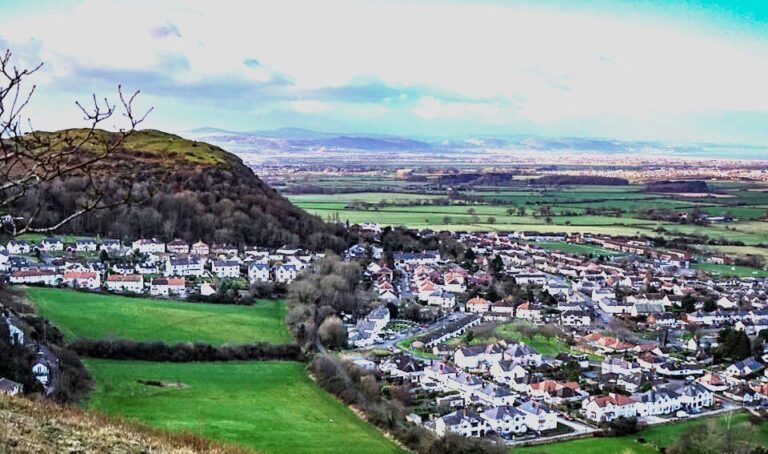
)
(30, 426)
(205, 193)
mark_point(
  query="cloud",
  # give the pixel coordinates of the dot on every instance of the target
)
(165, 31)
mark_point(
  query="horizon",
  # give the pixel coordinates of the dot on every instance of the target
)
(667, 72)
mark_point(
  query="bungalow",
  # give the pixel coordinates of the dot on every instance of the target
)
(82, 279)
(167, 286)
(125, 283)
(10, 387)
(226, 269)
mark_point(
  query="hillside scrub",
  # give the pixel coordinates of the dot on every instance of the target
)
(124, 349)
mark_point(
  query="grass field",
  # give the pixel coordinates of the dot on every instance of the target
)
(273, 407)
(656, 437)
(730, 270)
(548, 347)
(579, 249)
(569, 205)
(80, 314)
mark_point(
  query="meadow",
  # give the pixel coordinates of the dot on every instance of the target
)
(656, 438)
(496, 209)
(79, 314)
(272, 407)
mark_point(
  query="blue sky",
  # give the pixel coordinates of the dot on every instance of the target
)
(670, 71)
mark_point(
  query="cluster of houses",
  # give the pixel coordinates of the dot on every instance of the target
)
(661, 366)
(45, 364)
(147, 266)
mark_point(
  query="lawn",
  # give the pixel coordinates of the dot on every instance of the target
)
(730, 270)
(80, 314)
(545, 346)
(271, 406)
(656, 437)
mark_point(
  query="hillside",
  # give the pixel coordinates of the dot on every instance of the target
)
(202, 193)
(44, 427)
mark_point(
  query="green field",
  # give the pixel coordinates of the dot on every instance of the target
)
(79, 314)
(730, 270)
(271, 406)
(548, 347)
(578, 249)
(569, 206)
(656, 437)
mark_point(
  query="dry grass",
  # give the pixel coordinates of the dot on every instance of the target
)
(35, 426)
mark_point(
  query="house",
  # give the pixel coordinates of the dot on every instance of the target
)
(226, 269)
(168, 286)
(505, 419)
(575, 318)
(41, 369)
(285, 273)
(473, 357)
(178, 247)
(45, 277)
(695, 396)
(522, 354)
(619, 366)
(607, 408)
(657, 401)
(442, 298)
(743, 394)
(615, 307)
(530, 312)
(463, 422)
(403, 366)
(10, 387)
(148, 246)
(200, 248)
(507, 371)
(713, 382)
(111, 246)
(492, 394)
(15, 333)
(190, 266)
(663, 320)
(125, 283)
(86, 245)
(556, 393)
(82, 279)
(478, 305)
(52, 244)
(600, 294)
(19, 247)
(539, 417)
(258, 272)
(744, 368)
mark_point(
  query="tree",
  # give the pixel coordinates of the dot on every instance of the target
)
(688, 303)
(447, 219)
(521, 211)
(624, 426)
(332, 332)
(471, 211)
(491, 220)
(31, 160)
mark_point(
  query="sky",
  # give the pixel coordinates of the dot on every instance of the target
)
(648, 70)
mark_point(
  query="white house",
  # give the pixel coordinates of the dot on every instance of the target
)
(10, 387)
(607, 408)
(190, 266)
(19, 247)
(258, 272)
(51, 244)
(619, 366)
(125, 283)
(442, 298)
(285, 273)
(148, 246)
(539, 417)
(86, 245)
(505, 419)
(657, 401)
(167, 286)
(82, 279)
(463, 422)
(226, 269)
(46, 277)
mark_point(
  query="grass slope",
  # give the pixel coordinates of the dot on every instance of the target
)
(273, 407)
(80, 314)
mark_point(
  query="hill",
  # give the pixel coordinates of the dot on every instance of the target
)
(201, 192)
(30, 426)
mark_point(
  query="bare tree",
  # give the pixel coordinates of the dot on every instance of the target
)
(30, 160)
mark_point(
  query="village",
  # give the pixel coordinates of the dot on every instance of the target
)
(515, 341)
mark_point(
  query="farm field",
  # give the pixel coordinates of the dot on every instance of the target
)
(571, 248)
(730, 270)
(569, 207)
(656, 437)
(270, 406)
(80, 314)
